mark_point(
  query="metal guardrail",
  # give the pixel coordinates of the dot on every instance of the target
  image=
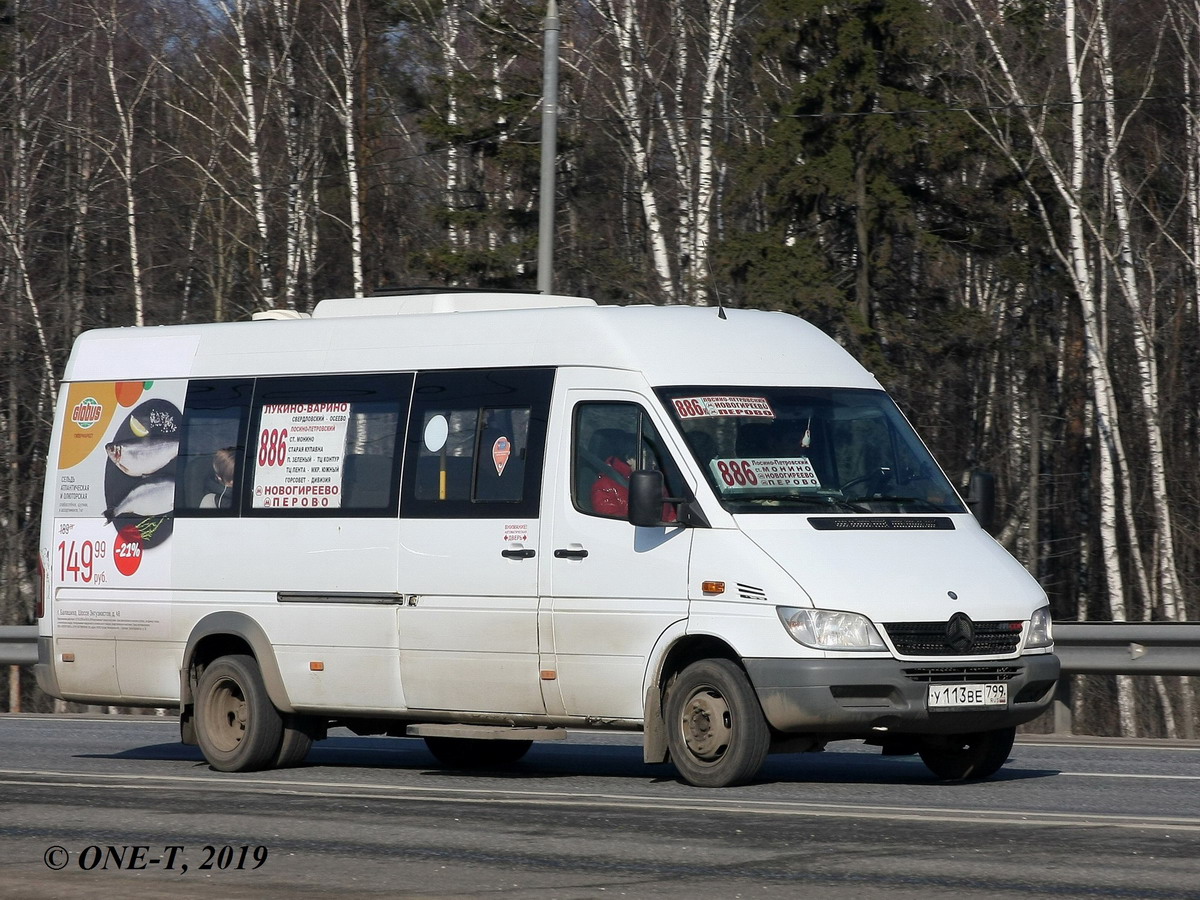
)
(18, 645)
(1085, 648)
(1128, 648)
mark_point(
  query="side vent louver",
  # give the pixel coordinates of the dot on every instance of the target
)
(881, 523)
(749, 592)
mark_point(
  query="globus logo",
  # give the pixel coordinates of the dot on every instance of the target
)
(87, 412)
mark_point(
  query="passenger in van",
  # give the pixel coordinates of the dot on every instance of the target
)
(220, 495)
(610, 492)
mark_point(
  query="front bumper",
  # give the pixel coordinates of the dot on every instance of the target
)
(852, 697)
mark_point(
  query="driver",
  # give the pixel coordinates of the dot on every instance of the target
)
(610, 491)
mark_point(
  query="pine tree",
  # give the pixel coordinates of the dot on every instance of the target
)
(860, 179)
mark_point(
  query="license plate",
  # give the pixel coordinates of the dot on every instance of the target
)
(953, 696)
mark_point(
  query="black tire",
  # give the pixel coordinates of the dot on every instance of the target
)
(237, 727)
(954, 757)
(474, 753)
(296, 742)
(715, 727)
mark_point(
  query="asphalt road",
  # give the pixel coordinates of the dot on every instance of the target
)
(583, 818)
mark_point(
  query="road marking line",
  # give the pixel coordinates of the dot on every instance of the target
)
(1130, 775)
(462, 796)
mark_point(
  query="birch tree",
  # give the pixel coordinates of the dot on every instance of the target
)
(28, 94)
(127, 91)
(35, 62)
(237, 13)
(1096, 244)
(671, 71)
(342, 91)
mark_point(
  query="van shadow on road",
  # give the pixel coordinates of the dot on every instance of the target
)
(547, 761)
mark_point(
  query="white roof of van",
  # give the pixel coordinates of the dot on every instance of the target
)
(669, 344)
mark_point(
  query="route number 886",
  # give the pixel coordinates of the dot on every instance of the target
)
(272, 447)
(737, 473)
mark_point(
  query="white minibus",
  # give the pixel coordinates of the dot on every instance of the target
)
(485, 518)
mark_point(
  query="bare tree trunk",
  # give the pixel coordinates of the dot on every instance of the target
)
(1097, 364)
(122, 155)
(1166, 590)
(665, 91)
(621, 17)
(862, 282)
(349, 70)
(449, 29)
(721, 22)
(344, 101)
(236, 10)
(1069, 177)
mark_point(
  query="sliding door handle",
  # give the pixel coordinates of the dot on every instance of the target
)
(523, 553)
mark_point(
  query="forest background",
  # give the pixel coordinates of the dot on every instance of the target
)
(994, 204)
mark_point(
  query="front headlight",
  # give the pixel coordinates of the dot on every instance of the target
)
(1041, 632)
(829, 629)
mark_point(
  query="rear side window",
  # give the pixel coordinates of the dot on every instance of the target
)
(212, 443)
(476, 441)
(326, 445)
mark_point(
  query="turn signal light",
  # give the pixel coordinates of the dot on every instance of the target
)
(713, 587)
(316, 666)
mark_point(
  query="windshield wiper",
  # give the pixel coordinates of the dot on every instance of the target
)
(824, 502)
(930, 507)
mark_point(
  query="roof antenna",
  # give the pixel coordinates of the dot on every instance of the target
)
(716, 291)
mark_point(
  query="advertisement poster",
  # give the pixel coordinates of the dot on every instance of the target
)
(115, 495)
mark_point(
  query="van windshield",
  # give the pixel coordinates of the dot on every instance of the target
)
(783, 449)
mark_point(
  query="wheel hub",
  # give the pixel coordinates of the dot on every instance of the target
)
(229, 715)
(706, 724)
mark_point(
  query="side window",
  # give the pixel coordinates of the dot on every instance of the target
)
(211, 447)
(476, 440)
(327, 445)
(610, 441)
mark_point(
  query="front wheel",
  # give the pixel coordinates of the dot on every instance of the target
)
(237, 727)
(954, 757)
(715, 728)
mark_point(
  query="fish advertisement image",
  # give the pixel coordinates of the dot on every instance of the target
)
(115, 497)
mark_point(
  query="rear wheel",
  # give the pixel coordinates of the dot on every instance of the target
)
(715, 728)
(296, 742)
(237, 727)
(472, 753)
(954, 757)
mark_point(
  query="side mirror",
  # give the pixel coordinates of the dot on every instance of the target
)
(981, 498)
(645, 497)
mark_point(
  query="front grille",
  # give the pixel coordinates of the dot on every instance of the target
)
(929, 639)
(963, 674)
